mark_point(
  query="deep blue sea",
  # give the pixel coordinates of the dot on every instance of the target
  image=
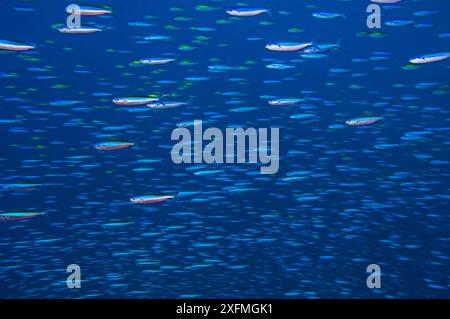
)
(363, 150)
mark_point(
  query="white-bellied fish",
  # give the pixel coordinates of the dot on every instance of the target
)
(247, 12)
(113, 144)
(363, 121)
(154, 198)
(156, 61)
(430, 58)
(19, 215)
(135, 100)
(285, 101)
(8, 45)
(287, 46)
(79, 30)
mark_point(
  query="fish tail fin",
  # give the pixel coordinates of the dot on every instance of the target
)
(165, 95)
(314, 40)
(108, 28)
(137, 139)
(137, 146)
(176, 193)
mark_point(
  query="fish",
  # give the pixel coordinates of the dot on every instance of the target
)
(113, 145)
(327, 15)
(363, 121)
(19, 215)
(79, 30)
(156, 37)
(222, 68)
(286, 101)
(429, 58)
(361, 135)
(287, 46)
(64, 102)
(8, 45)
(399, 23)
(321, 48)
(117, 224)
(279, 66)
(134, 100)
(20, 186)
(166, 104)
(154, 198)
(156, 61)
(313, 56)
(247, 12)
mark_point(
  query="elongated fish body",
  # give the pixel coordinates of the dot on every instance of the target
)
(118, 224)
(399, 23)
(19, 215)
(386, 1)
(279, 66)
(8, 45)
(90, 11)
(133, 100)
(363, 121)
(246, 12)
(285, 101)
(220, 68)
(146, 199)
(112, 145)
(429, 58)
(156, 61)
(287, 46)
(321, 48)
(313, 56)
(327, 15)
(80, 30)
(186, 123)
(156, 37)
(20, 186)
(165, 104)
